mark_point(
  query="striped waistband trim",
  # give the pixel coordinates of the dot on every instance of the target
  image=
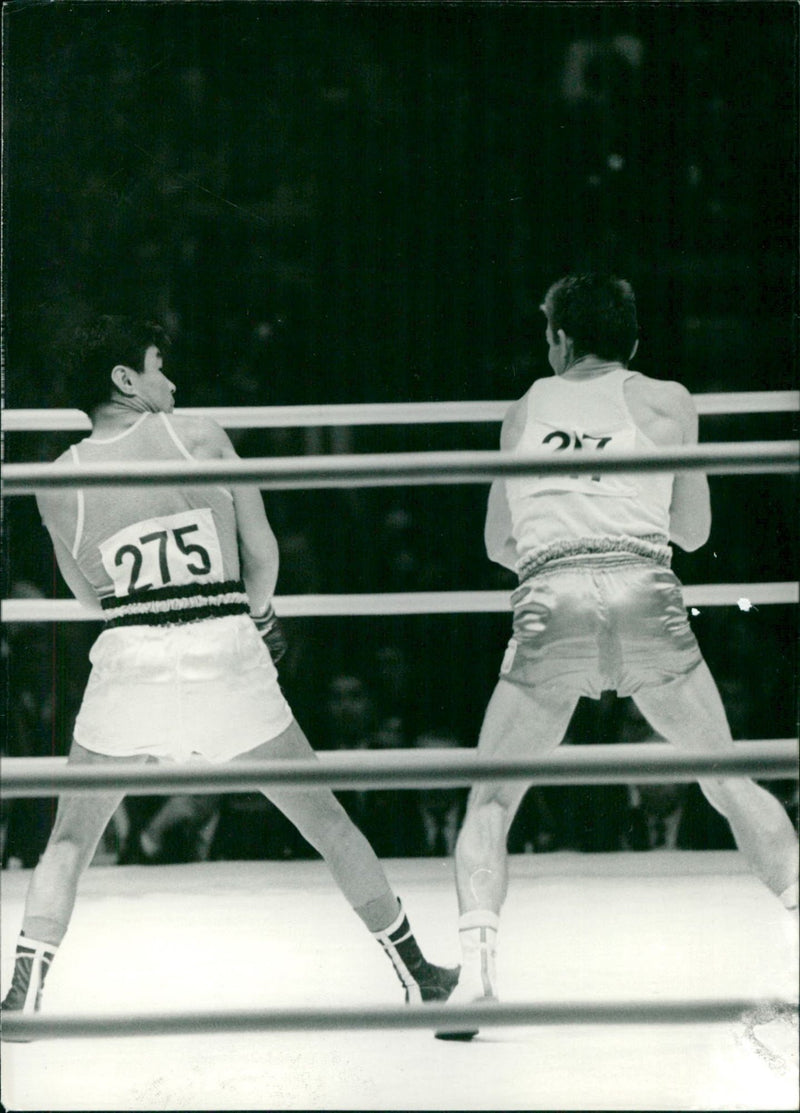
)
(168, 605)
(654, 547)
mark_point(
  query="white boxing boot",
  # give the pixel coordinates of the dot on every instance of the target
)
(477, 933)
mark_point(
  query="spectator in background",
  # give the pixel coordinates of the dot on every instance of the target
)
(348, 724)
(306, 659)
(249, 827)
(349, 713)
(654, 816)
(353, 723)
(672, 817)
(439, 810)
(39, 717)
(405, 561)
(26, 654)
(578, 817)
(179, 830)
(391, 810)
(392, 680)
(40, 713)
(591, 818)
(665, 815)
(536, 824)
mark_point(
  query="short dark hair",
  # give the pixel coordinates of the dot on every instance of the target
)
(597, 312)
(102, 343)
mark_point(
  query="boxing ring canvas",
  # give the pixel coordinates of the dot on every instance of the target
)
(647, 927)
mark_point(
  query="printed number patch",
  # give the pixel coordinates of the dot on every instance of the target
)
(550, 439)
(172, 550)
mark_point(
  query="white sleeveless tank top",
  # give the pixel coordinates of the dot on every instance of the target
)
(589, 415)
(141, 539)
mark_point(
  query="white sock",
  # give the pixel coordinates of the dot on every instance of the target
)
(477, 934)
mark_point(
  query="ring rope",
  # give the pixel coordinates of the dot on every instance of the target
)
(61, 1026)
(745, 596)
(400, 468)
(382, 413)
(644, 763)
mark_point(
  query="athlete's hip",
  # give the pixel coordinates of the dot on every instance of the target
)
(587, 594)
(195, 651)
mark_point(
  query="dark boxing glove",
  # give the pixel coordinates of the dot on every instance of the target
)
(270, 630)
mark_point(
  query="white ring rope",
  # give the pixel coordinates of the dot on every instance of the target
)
(744, 596)
(383, 413)
(447, 1017)
(641, 763)
(391, 469)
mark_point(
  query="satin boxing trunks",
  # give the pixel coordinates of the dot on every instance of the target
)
(596, 623)
(204, 689)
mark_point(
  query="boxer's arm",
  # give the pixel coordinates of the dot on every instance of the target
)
(258, 547)
(73, 577)
(498, 537)
(500, 544)
(690, 508)
(58, 510)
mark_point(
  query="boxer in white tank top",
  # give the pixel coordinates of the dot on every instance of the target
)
(598, 607)
(163, 562)
(584, 415)
(180, 670)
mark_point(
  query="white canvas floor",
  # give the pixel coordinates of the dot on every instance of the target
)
(653, 926)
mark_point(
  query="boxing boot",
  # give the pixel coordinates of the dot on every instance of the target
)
(31, 965)
(421, 980)
(477, 932)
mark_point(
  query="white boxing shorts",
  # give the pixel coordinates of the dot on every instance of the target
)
(205, 689)
(595, 623)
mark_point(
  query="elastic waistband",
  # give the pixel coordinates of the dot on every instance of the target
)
(654, 548)
(165, 606)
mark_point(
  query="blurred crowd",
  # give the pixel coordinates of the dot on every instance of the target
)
(333, 206)
(375, 214)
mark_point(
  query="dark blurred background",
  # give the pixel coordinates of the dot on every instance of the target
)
(358, 203)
